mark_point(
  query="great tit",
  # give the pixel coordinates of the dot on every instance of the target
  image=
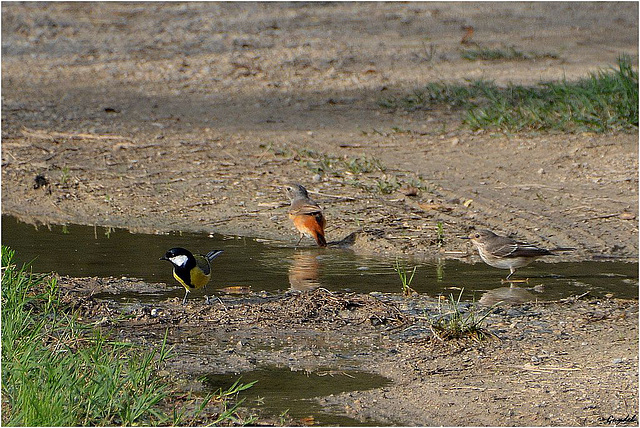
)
(191, 270)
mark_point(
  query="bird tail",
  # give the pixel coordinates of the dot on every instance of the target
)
(320, 239)
(318, 231)
(213, 254)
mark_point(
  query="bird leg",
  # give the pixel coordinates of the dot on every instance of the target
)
(186, 292)
(221, 302)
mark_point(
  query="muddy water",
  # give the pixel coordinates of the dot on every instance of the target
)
(279, 389)
(270, 266)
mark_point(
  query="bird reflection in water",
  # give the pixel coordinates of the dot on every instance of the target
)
(304, 271)
(512, 294)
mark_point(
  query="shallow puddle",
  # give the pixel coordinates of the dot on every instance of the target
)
(249, 263)
(280, 390)
(82, 251)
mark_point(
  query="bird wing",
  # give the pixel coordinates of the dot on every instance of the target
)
(304, 208)
(503, 246)
(203, 263)
(527, 250)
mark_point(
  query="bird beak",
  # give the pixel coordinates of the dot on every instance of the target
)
(164, 258)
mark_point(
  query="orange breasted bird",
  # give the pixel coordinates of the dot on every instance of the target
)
(306, 214)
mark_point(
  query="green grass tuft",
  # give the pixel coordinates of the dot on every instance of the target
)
(605, 101)
(452, 323)
(337, 166)
(440, 233)
(509, 53)
(405, 279)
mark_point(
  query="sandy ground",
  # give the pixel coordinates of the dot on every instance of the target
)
(170, 116)
(192, 117)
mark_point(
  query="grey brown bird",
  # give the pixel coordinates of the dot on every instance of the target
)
(505, 253)
(306, 214)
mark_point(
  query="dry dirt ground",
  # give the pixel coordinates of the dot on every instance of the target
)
(174, 116)
(191, 117)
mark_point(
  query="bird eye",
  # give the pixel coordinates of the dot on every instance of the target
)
(477, 235)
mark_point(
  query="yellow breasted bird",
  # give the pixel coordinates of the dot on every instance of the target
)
(191, 270)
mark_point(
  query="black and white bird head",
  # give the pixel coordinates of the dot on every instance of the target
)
(179, 257)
